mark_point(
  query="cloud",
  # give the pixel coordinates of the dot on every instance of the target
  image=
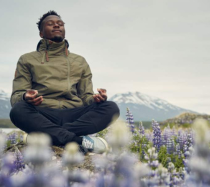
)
(160, 48)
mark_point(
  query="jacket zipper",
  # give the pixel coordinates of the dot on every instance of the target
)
(68, 74)
(59, 104)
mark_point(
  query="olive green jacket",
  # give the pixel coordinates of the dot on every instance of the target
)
(61, 77)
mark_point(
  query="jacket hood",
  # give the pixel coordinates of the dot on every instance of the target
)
(45, 44)
(52, 48)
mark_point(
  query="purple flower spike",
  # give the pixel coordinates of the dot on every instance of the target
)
(19, 163)
(156, 135)
(130, 120)
(170, 146)
(8, 166)
(12, 138)
(141, 129)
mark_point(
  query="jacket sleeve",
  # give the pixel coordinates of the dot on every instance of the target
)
(21, 82)
(85, 86)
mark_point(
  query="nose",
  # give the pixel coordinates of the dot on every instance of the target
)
(56, 25)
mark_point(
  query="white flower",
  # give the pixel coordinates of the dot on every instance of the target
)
(38, 139)
(202, 131)
(119, 136)
(71, 155)
(38, 151)
(2, 142)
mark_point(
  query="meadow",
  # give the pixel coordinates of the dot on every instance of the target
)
(138, 157)
(6, 123)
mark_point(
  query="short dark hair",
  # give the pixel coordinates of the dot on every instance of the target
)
(49, 13)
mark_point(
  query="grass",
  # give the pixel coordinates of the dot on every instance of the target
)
(184, 126)
(146, 124)
(6, 123)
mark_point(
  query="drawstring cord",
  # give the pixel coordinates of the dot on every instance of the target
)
(66, 47)
(46, 53)
(66, 50)
(45, 57)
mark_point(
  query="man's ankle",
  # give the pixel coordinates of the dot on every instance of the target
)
(78, 140)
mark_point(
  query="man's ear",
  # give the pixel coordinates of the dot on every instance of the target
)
(41, 34)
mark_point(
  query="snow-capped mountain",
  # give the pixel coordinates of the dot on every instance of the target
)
(4, 105)
(142, 106)
(145, 107)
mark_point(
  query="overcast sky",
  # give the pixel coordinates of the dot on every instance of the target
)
(157, 47)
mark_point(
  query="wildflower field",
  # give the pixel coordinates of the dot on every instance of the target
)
(137, 158)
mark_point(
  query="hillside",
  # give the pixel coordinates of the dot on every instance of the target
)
(145, 107)
(4, 105)
(185, 118)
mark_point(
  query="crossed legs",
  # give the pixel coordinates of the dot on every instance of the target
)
(64, 125)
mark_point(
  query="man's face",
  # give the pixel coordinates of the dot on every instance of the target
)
(52, 28)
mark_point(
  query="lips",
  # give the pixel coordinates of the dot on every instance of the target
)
(57, 31)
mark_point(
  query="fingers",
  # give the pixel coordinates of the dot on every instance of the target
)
(98, 98)
(31, 94)
(31, 97)
(36, 101)
(102, 93)
(101, 97)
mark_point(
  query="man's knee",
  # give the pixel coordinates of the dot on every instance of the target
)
(112, 108)
(17, 110)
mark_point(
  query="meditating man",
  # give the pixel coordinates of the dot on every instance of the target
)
(53, 92)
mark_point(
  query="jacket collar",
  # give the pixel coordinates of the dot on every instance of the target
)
(53, 48)
(50, 49)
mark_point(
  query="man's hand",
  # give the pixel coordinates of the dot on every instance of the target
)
(102, 96)
(31, 97)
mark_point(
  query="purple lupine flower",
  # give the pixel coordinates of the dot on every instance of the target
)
(178, 151)
(185, 150)
(169, 131)
(123, 174)
(151, 158)
(19, 163)
(199, 161)
(2, 143)
(20, 138)
(173, 131)
(182, 173)
(8, 166)
(189, 140)
(163, 176)
(175, 179)
(181, 139)
(130, 120)
(166, 135)
(149, 136)
(141, 129)
(38, 151)
(163, 141)
(170, 146)
(187, 157)
(156, 135)
(12, 138)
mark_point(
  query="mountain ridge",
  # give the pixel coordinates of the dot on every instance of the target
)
(145, 107)
(5, 106)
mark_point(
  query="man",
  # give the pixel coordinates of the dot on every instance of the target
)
(53, 94)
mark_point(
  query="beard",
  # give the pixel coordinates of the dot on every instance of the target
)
(57, 39)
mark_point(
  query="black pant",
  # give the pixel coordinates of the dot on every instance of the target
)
(63, 125)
